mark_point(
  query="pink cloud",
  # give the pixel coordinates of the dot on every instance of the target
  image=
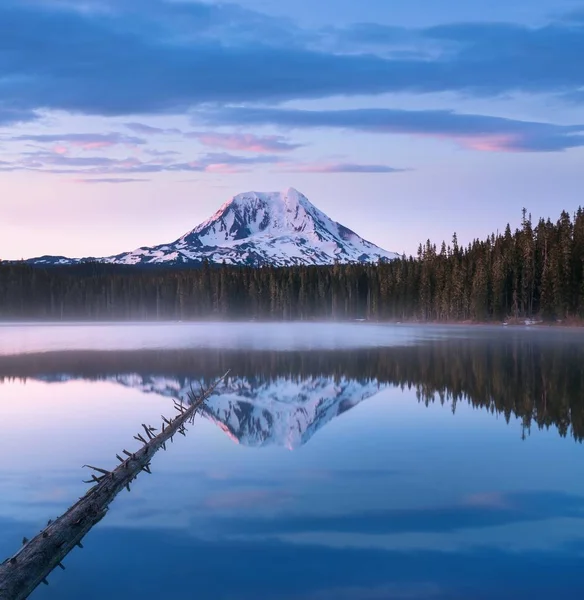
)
(93, 145)
(59, 149)
(111, 180)
(244, 142)
(224, 169)
(488, 142)
(493, 143)
(487, 500)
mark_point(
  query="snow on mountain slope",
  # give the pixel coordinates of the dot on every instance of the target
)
(256, 229)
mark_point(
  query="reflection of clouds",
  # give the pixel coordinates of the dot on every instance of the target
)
(245, 499)
(518, 521)
(317, 474)
(554, 535)
(141, 563)
(487, 499)
(52, 495)
(342, 474)
(199, 497)
(219, 475)
(28, 497)
(411, 591)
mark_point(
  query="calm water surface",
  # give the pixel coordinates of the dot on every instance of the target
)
(341, 462)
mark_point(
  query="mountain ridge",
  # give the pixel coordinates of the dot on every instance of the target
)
(254, 229)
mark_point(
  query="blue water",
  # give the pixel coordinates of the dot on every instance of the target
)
(338, 461)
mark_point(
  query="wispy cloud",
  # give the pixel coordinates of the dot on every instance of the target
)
(40, 159)
(143, 129)
(243, 142)
(112, 180)
(87, 141)
(477, 132)
(161, 153)
(341, 168)
(50, 162)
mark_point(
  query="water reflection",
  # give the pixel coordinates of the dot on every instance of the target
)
(387, 494)
(284, 397)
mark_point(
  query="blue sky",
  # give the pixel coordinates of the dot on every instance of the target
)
(127, 123)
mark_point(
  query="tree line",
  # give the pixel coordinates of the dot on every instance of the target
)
(537, 271)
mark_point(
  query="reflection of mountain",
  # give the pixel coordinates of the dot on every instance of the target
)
(534, 375)
(284, 411)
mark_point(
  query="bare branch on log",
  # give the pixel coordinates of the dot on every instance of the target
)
(96, 469)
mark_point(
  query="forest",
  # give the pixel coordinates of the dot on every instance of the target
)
(535, 272)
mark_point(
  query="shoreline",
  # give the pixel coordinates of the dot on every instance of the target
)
(513, 323)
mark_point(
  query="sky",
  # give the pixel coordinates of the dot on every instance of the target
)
(126, 123)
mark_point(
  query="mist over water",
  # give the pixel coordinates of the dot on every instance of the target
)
(18, 338)
(336, 461)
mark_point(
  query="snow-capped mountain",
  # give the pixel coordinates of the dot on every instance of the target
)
(256, 229)
(284, 411)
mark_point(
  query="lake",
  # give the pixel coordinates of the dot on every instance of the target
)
(337, 461)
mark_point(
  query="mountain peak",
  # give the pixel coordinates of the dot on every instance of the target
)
(246, 205)
(261, 228)
(286, 198)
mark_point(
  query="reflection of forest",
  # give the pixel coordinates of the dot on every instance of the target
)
(540, 381)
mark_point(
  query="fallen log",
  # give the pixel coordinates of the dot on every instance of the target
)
(23, 572)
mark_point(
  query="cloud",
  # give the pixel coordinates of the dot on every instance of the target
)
(144, 129)
(110, 180)
(155, 57)
(342, 168)
(477, 132)
(43, 159)
(87, 141)
(244, 142)
(49, 162)
(161, 153)
(388, 41)
(224, 157)
(228, 164)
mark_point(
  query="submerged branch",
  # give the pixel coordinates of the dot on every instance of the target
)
(29, 567)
